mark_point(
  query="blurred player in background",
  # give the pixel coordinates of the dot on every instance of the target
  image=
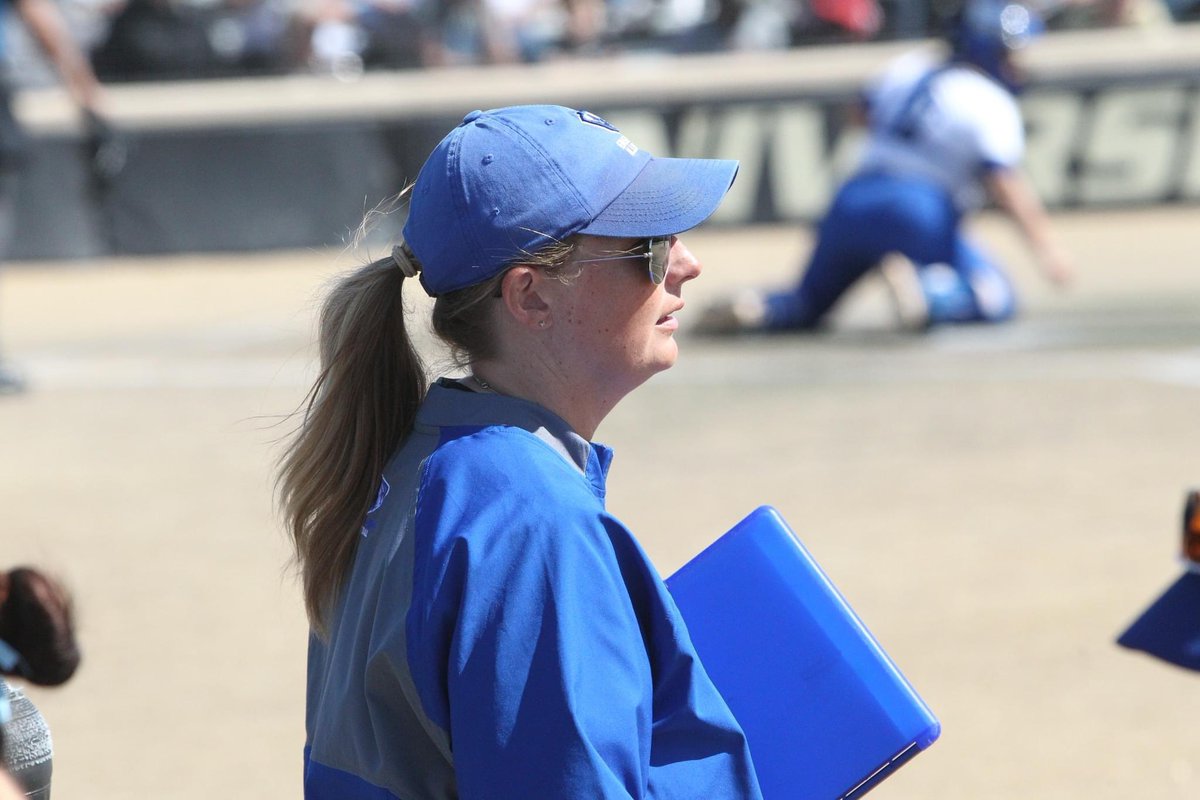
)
(943, 136)
(48, 28)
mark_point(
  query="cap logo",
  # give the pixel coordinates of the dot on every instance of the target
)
(595, 119)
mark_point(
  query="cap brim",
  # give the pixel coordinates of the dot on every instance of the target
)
(1170, 628)
(669, 196)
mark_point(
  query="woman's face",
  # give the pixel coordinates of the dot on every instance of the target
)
(616, 324)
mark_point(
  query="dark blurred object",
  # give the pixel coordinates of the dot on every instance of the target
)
(1191, 529)
(395, 35)
(37, 644)
(106, 150)
(1170, 628)
(11, 381)
(105, 154)
(1184, 10)
(14, 141)
(156, 40)
(37, 620)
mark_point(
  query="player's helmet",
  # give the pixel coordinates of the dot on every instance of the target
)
(987, 31)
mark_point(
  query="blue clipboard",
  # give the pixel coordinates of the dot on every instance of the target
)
(826, 712)
(1169, 628)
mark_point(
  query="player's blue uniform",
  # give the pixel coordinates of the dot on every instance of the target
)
(935, 130)
(501, 635)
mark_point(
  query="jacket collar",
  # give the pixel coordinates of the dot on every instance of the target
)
(450, 404)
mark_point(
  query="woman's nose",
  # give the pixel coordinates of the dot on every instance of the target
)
(683, 266)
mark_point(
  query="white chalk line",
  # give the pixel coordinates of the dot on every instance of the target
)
(744, 366)
(1161, 348)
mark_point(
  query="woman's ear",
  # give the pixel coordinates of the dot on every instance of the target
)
(526, 294)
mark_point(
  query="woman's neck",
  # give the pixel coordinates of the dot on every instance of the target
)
(581, 406)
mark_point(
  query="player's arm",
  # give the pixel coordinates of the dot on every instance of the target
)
(548, 678)
(522, 640)
(49, 30)
(1013, 193)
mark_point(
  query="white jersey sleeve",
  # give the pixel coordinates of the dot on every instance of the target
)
(986, 113)
(944, 123)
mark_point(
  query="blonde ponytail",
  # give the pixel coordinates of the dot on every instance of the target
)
(357, 413)
(364, 402)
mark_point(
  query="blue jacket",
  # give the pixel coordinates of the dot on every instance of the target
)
(501, 635)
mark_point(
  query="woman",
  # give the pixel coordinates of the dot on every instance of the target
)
(482, 626)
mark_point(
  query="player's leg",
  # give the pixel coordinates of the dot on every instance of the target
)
(921, 229)
(871, 215)
(840, 258)
(833, 266)
(11, 381)
(971, 287)
(995, 298)
(14, 145)
(903, 282)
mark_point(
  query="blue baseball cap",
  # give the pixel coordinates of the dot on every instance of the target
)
(988, 30)
(510, 181)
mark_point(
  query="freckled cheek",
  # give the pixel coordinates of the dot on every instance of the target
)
(589, 321)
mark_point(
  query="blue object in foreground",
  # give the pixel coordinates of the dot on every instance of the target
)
(826, 712)
(1170, 628)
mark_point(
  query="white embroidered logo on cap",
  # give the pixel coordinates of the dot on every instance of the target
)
(628, 146)
(595, 119)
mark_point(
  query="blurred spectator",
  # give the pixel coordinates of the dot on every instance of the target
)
(344, 37)
(769, 25)
(516, 31)
(333, 43)
(861, 18)
(586, 25)
(251, 37)
(166, 39)
(47, 27)
(396, 34)
(521, 30)
(1184, 10)
(1076, 14)
(155, 40)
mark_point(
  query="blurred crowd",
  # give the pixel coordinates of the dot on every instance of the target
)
(169, 39)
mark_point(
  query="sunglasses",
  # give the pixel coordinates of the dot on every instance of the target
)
(658, 254)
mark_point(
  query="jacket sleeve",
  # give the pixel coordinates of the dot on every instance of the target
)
(525, 645)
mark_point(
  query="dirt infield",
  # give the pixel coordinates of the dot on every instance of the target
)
(996, 503)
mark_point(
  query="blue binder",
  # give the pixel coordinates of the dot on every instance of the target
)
(826, 712)
(1170, 628)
